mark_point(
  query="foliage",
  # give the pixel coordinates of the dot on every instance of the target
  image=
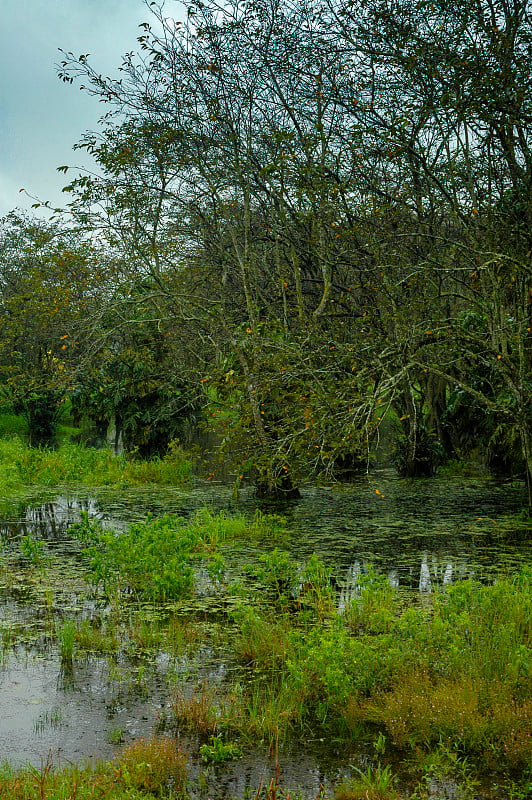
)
(349, 237)
(374, 609)
(156, 766)
(155, 559)
(218, 751)
(21, 465)
(47, 284)
(66, 636)
(459, 674)
(376, 783)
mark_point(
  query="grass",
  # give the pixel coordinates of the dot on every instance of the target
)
(154, 560)
(451, 675)
(376, 783)
(459, 672)
(143, 770)
(66, 636)
(13, 424)
(22, 466)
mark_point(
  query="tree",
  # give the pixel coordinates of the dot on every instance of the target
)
(47, 275)
(331, 200)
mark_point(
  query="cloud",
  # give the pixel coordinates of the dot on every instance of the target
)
(41, 117)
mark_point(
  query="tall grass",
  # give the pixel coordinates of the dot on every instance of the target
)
(144, 769)
(22, 465)
(459, 672)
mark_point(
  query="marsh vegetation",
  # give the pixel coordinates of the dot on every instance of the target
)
(226, 651)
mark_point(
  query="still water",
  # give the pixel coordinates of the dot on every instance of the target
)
(422, 534)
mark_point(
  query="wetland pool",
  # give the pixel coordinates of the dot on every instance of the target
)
(421, 534)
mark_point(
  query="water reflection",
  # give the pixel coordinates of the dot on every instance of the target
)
(350, 587)
(430, 575)
(49, 521)
(425, 581)
(422, 534)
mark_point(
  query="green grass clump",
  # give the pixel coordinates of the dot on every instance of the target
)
(144, 769)
(459, 671)
(155, 560)
(66, 637)
(22, 465)
(376, 783)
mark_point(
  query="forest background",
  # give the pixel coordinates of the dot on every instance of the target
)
(309, 231)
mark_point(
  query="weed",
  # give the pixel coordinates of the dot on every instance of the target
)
(155, 559)
(268, 710)
(376, 783)
(51, 719)
(443, 767)
(375, 607)
(146, 634)
(260, 641)
(278, 573)
(218, 751)
(21, 465)
(182, 633)
(155, 765)
(115, 736)
(198, 711)
(380, 744)
(94, 637)
(66, 636)
(33, 549)
(315, 588)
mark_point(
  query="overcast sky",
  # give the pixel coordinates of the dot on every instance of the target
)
(41, 117)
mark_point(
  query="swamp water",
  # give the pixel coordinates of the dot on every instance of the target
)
(421, 534)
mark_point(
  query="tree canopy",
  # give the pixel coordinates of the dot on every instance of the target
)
(321, 212)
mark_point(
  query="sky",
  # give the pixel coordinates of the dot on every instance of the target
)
(40, 116)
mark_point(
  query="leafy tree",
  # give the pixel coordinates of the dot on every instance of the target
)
(331, 202)
(47, 275)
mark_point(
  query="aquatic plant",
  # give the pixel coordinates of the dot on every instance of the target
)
(376, 783)
(374, 608)
(263, 642)
(182, 633)
(444, 767)
(155, 559)
(154, 765)
(421, 675)
(198, 711)
(66, 636)
(115, 736)
(315, 589)
(278, 575)
(33, 549)
(93, 635)
(218, 751)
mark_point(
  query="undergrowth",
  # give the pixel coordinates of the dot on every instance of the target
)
(22, 465)
(458, 672)
(155, 559)
(143, 770)
(449, 674)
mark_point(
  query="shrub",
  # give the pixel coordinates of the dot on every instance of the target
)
(154, 765)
